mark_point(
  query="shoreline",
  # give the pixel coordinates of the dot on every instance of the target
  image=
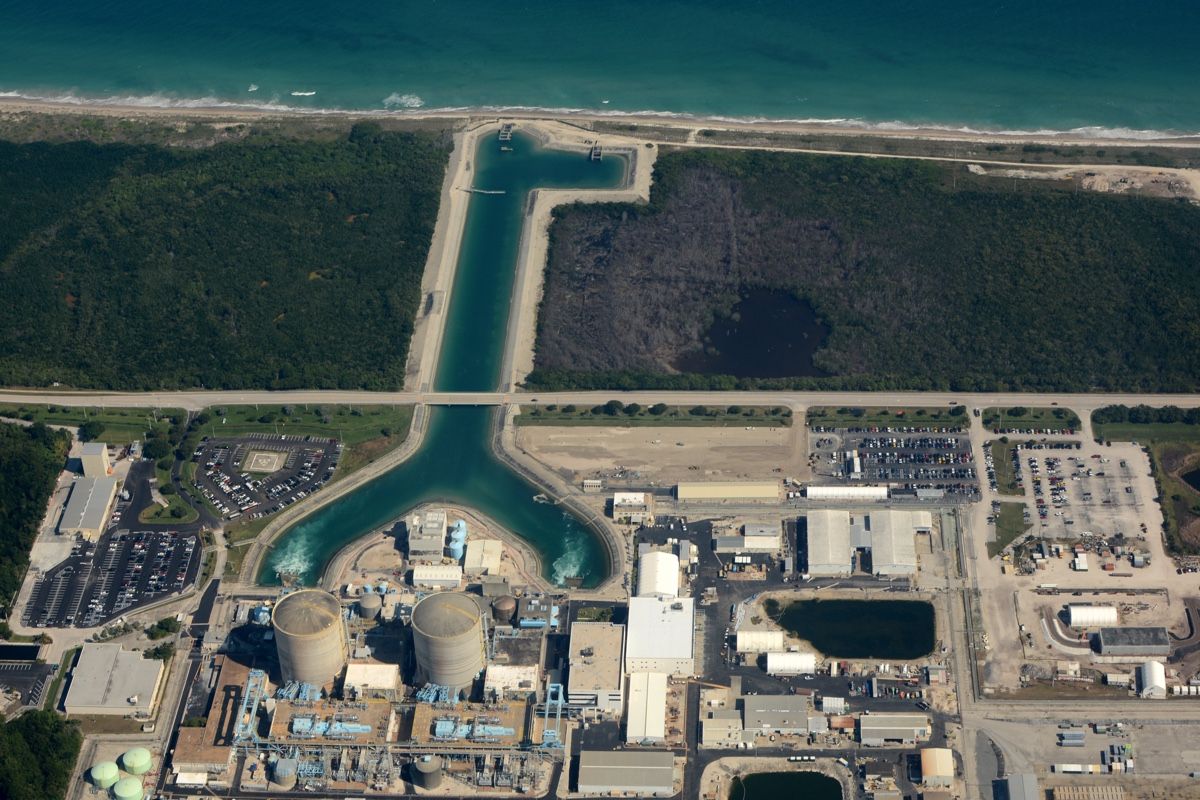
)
(202, 110)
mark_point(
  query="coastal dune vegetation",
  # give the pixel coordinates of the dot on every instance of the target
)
(271, 262)
(920, 275)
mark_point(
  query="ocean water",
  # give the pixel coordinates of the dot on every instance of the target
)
(1110, 68)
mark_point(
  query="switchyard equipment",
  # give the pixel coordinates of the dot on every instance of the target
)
(449, 639)
(310, 636)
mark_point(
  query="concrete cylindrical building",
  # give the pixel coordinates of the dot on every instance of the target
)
(284, 772)
(105, 774)
(137, 761)
(426, 772)
(448, 638)
(1085, 615)
(309, 636)
(369, 605)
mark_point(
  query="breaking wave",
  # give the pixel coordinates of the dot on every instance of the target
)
(397, 100)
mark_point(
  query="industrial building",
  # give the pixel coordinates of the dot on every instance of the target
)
(759, 641)
(646, 717)
(437, 576)
(633, 508)
(448, 639)
(516, 681)
(1023, 786)
(659, 636)
(1134, 642)
(635, 772)
(482, 557)
(893, 544)
(88, 507)
(108, 680)
(93, 458)
(829, 551)
(1088, 615)
(658, 575)
(594, 677)
(788, 663)
(721, 728)
(371, 680)
(860, 493)
(937, 766)
(775, 713)
(725, 491)
(879, 730)
(1152, 681)
(310, 637)
(427, 537)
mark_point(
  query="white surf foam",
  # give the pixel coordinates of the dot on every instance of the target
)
(397, 100)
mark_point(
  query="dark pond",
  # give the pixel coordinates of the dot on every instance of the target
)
(773, 785)
(1192, 479)
(769, 334)
(899, 629)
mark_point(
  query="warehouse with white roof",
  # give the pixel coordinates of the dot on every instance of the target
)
(87, 509)
(658, 636)
(829, 553)
(646, 715)
(893, 543)
(658, 574)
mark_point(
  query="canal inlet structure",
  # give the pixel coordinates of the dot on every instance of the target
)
(455, 461)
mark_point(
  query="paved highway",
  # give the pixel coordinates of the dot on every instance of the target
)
(195, 400)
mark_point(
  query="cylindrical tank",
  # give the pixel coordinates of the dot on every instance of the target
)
(136, 761)
(1085, 615)
(309, 636)
(283, 773)
(104, 774)
(427, 772)
(448, 639)
(503, 609)
(369, 605)
(128, 789)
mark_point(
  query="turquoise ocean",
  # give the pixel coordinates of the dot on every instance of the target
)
(1100, 67)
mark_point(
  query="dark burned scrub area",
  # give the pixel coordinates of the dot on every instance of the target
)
(277, 261)
(922, 275)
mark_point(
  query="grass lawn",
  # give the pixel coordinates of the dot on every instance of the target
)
(50, 701)
(1006, 473)
(154, 513)
(635, 415)
(1148, 433)
(1057, 419)
(1010, 524)
(121, 425)
(858, 417)
(353, 425)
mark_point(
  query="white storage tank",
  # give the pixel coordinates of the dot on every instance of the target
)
(310, 637)
(791, 663)
(658, 575)
(1087, 615)
(448, 639)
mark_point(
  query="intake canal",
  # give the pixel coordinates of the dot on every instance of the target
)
(455, 463)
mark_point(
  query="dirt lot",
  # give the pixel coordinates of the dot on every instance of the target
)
(665, 456)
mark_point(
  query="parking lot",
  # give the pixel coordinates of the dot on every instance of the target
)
(120, 573)
(27, 679)
(908, 457)
(261, 474)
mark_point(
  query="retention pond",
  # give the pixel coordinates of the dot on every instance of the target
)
(772, 785)
(455, 463)
(899, 629)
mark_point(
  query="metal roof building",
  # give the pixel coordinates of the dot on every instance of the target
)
(646, 717)
(1023, 787)
(785, 663)
(720, 491)
(721, 727)
(759, 641)
(775, 713)
(437, 576)
(109, 680)
(828, 543)
(937, 766)
(881, 729)
(363, 680)
(93, 456)
(893, 543)
(594, 677)
(86, 513)
(1134, 642)
(658, 575)
(1090, 615)
(1152, 680)
(483, 557)
(659, 636)
(638, 772)
(846, 492)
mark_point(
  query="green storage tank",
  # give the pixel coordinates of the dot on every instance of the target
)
(104, 774)
(137, 761)
(128, 789)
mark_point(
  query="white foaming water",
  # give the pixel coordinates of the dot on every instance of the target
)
(569, 563)
(397, 100)
(294, 558)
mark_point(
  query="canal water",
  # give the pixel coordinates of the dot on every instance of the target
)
(899, 629)
(455, 463)
(791, 785)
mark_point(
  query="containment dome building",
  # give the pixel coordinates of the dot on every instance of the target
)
(309, 636)
(1083, 615)
(448, 639)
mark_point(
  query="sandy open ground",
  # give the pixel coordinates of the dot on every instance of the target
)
(665, 456)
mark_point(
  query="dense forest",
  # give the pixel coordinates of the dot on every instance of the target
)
(926, 277)
(274, 262)
(30, 460)
(37, 753)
